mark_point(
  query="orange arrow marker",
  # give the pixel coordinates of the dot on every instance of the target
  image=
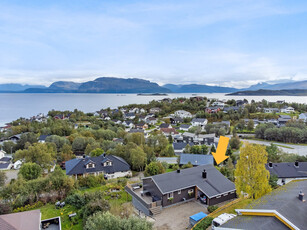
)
(220, 154)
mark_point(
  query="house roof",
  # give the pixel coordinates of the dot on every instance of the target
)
(181, 145)
(77, 166)
(284, 200)
(199, 120)
(288, 170)
(164, 125)
(136, 131)
(285, 116)
(29, 220)
(4, 165)
(43, 137)
(6, 159)
(185, 126)
(215, 183)
(196, 159)
(169, 130)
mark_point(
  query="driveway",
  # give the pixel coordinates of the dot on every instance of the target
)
(297, 149)
(11, 174)
(177, 216)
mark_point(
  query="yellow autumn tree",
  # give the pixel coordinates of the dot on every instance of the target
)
(251, 176)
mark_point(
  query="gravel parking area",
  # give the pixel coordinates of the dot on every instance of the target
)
(177, 216)
(11, 174)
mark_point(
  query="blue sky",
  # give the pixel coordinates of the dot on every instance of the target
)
(225, 42)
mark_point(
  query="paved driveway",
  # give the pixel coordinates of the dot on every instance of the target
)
(177, 217)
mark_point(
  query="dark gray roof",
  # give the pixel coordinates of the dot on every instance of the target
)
(181, 145)
(164, 125)
(214, 185)
(43, 137)
(288, 170)
(199, 119)
(77, 166)
(185, 126)
(6, 159)
(284, 200)
(136, 131)
(4, 165)
(285, 117)
(255, 223)
(196, 159)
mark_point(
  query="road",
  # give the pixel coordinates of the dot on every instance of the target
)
(297, 149)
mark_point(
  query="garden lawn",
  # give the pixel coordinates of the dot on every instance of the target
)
(49, 211)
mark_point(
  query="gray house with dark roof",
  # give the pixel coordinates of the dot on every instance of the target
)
(179, 186)
(108, 165)
(288, 171)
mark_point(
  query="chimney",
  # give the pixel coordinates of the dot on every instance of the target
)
(84, 156)
(204, 174)
(270, 164)
(178, 170)
(301, 196)
(296, 164)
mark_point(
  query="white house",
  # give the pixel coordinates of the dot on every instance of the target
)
(218, 104)
(199, 122)
(271, 110)
(287, 110)
(17, 164)
(183, 114)
(303, 117)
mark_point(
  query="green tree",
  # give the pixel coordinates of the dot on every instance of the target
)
(138, 158)
(273, 153)
(234, 142)
(67, 153)
(3, 178)
(30, 171)
(96, 152)
(154, 168)
(251, 176)
(98, 205)
(250, 125)
(42, 154)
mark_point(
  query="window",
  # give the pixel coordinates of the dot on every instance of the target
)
(170, 195)
(90, 165)
(179, 192)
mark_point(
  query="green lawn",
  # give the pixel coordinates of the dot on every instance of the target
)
(49, 211)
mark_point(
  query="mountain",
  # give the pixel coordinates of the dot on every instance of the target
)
(18, 87)
(103, 85)
(65, 85)
(279, 86)
(196, 88)
(120, 85)
(266, 92)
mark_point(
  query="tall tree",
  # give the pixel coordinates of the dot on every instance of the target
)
(42, 154)
(251, 176)
(30, 171)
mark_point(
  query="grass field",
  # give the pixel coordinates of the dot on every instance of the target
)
(49, 211)
(116, 202)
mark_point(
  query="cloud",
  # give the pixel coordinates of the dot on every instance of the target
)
(216, 42)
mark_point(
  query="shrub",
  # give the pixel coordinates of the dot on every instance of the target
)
(91, 181)
(212, 208)
(93, 207)
(29, 207)
(76, 199)
(204, 223)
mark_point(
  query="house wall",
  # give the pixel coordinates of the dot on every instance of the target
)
(178, 197)
(150, 186)
(119, 174)
(221, 198)
(287, 180)
(140, 207)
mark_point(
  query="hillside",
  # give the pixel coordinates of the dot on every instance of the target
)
(265, 92)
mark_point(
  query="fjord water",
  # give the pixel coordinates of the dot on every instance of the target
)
(17, 105)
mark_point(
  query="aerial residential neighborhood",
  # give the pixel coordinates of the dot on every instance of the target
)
(159, 165)
(153, 115)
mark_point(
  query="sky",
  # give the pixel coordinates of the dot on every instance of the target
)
(227, 42)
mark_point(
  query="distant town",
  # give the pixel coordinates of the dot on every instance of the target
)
(153, 163)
